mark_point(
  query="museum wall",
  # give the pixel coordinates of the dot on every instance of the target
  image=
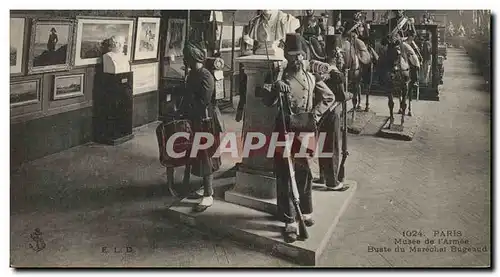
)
(47, 118)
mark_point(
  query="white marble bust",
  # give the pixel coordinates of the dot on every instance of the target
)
(115, 61)
(269, 28)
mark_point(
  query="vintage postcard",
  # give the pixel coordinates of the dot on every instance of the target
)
(329, 138)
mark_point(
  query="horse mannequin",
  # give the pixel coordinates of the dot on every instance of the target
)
(359, 63)
(398, 76)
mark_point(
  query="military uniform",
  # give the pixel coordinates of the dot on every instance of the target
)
(329, 167)
(409, 50)
(356, 44)
(307, 94)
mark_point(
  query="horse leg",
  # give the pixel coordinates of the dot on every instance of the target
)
(354, 102)
(367, 108)
(391, 108)
(404, 93)
(410, 95)
(358, 95)
(400, 100)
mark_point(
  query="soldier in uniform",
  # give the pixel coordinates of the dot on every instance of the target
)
(309, 25)
(353, 32)
(409, 49)
(329, 167)
(304, 94)
(414, 68)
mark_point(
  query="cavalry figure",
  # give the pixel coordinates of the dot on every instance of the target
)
(400, 64)
(313, 31)
(360, 58)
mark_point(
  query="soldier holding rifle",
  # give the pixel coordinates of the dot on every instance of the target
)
(330, 166)
(303, 99)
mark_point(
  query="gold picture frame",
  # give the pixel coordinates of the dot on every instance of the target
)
(51, 45)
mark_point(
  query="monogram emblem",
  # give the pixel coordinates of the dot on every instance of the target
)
(38, 242)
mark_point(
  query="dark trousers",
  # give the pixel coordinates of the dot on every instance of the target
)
(303, 177)
(414, 75)
(329, 167)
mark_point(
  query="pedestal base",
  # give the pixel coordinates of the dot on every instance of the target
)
(429, 94)
(260, 230)
(407, 132)
(362, 119)
(254, 190)
(116, 141)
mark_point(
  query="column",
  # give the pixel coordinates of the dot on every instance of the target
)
(255, 183)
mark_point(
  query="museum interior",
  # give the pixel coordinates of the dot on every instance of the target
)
(63, 95)
(67, 119)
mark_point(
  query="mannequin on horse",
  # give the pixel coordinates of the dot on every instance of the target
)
(400, 64)
(360, 57)
(314, 29)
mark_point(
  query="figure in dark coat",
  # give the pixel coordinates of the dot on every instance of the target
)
(199, 105)
(330, 126)
(51, 43)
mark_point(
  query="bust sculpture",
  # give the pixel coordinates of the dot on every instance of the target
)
(268, 30)
(115, 61)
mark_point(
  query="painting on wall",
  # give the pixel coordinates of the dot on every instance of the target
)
(50, 46)
(145, 78)
(68, 86)
(24, 93)
(91, 33)
(16, 45)
(147, 37)
(176, 37)
(227, 37)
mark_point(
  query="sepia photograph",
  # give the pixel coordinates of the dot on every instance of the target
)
(50, 47)
(176, 37)
(91, 33)
(147, 38)
(16, 44)
(68, 86)
(24, 93)
(333, 139)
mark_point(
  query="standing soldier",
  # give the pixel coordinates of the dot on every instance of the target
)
(329, 167)
(302, 89)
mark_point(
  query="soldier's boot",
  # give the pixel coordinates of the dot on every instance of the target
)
(291, 232)
(205, 203)
(308, 220)
(207, 200)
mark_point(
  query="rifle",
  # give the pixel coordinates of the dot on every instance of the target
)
(293, 184)
(345, 153)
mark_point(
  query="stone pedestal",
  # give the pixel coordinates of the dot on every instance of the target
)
(255, 183)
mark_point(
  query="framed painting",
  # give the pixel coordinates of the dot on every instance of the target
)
(24, 93)
(227, 38)
(176, 37)
(91, 33)
(146, 78)
(50, 46)
(68, 86)
(147, 38)
(16, 44)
